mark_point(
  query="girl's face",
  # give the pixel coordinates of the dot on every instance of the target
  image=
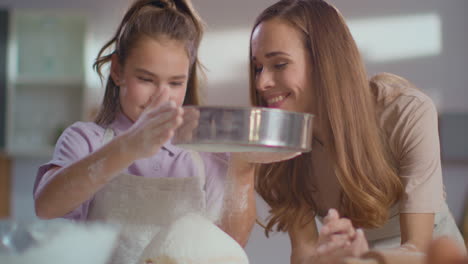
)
(283, 76)
(151, 66)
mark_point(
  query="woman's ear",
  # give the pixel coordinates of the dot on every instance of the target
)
(115, 71)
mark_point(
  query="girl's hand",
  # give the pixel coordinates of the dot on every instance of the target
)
(154, 127)
(191, 119)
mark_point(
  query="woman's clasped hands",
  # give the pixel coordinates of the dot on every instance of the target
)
(337, 240)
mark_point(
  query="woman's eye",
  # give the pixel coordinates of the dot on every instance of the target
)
(280, 66)
(177, 83)
(258, 69)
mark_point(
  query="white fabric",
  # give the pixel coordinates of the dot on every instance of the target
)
(141, 206)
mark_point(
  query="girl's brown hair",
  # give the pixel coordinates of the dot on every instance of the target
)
(363, 162)
(174, 19)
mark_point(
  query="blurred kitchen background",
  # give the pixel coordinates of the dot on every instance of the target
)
(47, 48)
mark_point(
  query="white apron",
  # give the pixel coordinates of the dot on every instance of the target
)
(141, 206)
(388, 236)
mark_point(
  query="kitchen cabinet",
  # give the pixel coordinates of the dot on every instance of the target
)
(45, 78)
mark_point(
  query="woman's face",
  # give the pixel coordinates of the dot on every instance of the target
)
(151, 66)
(283, 75)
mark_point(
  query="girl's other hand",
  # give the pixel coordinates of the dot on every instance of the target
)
(154, 127)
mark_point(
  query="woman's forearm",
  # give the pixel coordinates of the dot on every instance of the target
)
(239, 208)
(74, 184)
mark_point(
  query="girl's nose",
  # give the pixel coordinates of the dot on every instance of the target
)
(160, 89)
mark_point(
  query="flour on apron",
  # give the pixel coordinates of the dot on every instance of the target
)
(141, 206)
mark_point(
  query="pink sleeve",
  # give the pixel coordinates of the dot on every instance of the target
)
(76, 142)
(420, 165)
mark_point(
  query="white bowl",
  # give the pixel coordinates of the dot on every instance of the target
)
(56, 241)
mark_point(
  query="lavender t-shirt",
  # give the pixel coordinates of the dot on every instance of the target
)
(83, 138)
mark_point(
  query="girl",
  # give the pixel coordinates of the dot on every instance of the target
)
(122, 168)
(375, 154)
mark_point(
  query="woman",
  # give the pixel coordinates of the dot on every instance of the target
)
(375, 154)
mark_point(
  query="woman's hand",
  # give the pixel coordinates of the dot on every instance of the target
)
(444, 250)
(335, 228)
(337, 240)
(334, 252)
(154, 127)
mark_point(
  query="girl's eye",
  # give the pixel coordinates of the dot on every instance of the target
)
(145, 79)
(280, 65)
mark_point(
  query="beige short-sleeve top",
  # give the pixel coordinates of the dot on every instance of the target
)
(409, 119)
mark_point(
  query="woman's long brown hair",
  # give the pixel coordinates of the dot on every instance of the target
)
(363, 162)
(173, 19)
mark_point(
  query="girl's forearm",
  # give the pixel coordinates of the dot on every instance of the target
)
(77, 183)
